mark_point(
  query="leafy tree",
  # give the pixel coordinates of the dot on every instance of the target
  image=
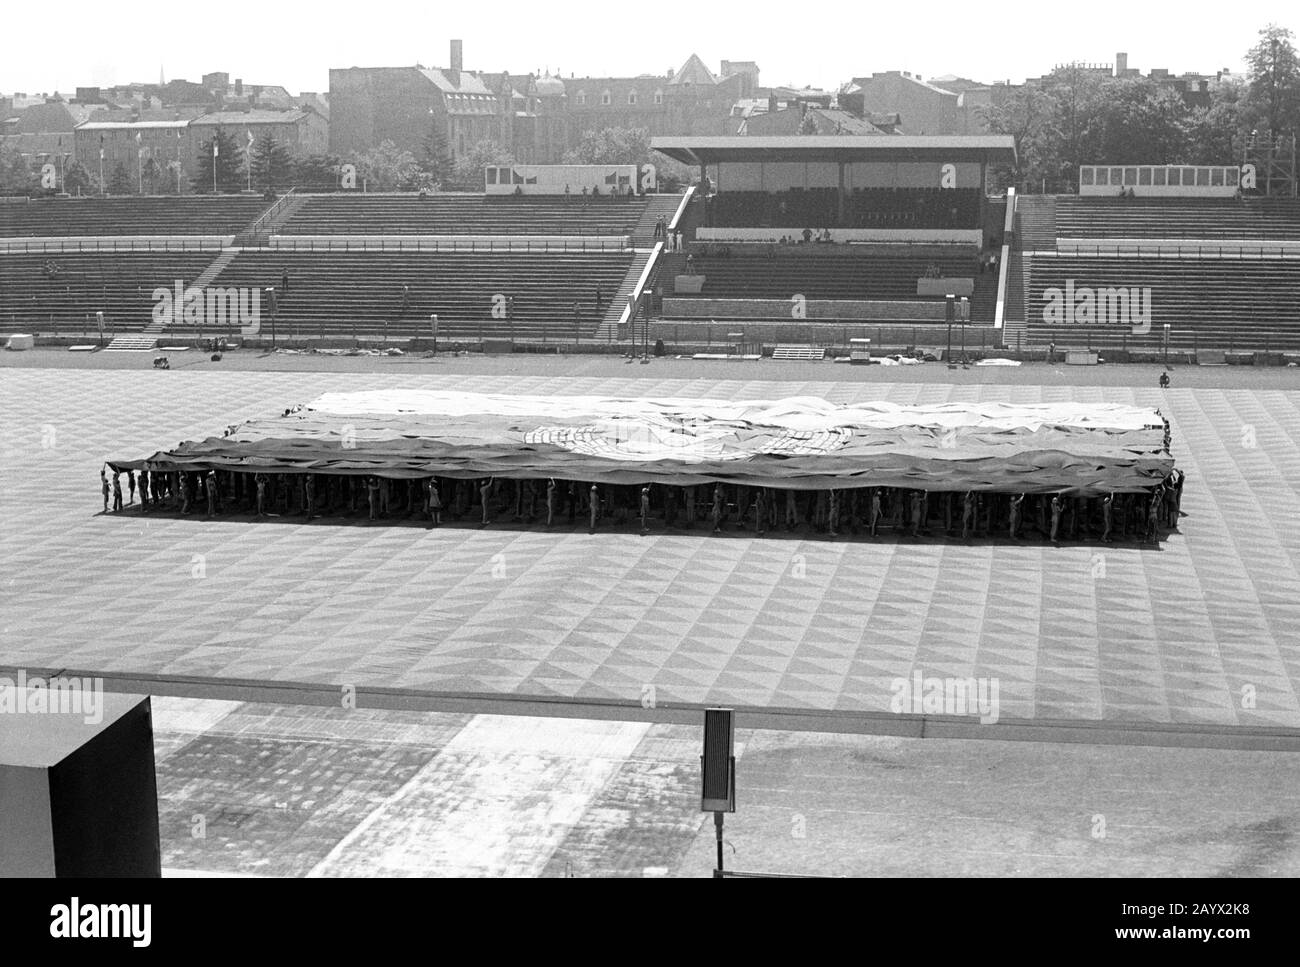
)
(153, 174)
(1273, 97)
(229, 163)
(611, 146)
(469, 166)
(119, 182)
(1213, 132)
(16, 172)
(435, 165)
(386, 167)
(272, 163)
(76, 179)
(316, 171)
(1027, 115)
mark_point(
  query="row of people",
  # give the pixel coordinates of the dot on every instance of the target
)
(857, 510)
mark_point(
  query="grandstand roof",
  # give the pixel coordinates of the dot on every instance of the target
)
(712, 150)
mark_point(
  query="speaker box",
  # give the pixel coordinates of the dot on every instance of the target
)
(78, 798)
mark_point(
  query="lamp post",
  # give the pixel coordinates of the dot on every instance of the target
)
(950, 311)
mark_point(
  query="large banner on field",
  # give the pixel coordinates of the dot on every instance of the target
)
(799, 442)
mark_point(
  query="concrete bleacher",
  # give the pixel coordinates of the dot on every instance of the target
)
(340, 294)
(467, 214)
(1255, 219)
(848, 273)
(150, 215)
(120, 285)
(1224, 303)
(818, 208)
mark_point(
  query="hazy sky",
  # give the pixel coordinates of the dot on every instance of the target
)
(49, 46)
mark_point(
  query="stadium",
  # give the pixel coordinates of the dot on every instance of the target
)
(462, 507)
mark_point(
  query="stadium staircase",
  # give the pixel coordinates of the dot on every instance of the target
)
(1013, 325)
(657, 206)
(614, 314)
(148, 339)
(272, 221)
(1036, 223)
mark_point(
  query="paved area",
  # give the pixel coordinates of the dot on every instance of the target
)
(1199, 634)
(260, 790)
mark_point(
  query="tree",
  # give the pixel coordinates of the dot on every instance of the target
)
(1137, 121)
(1027, 116)
(119, 182)
(272, 163)
(435, 165)
(1273, 97)
(229, 163)
(1213, 132)
(16, 173)
(152, 173)
(469, 166)
(76, 179)
(316, 171)
(611, 146)
(386, 168)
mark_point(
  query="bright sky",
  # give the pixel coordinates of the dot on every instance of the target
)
(75, 42)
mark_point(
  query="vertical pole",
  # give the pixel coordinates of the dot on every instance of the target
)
(717, 825)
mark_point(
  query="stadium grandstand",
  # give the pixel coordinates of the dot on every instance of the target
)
(547, 267)
(1183, 261)
(808, 238)
(805, 240)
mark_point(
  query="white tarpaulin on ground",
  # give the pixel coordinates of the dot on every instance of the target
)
(801, 442)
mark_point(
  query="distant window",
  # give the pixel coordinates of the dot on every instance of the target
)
(659, 97)
(582, 97)
(1130, 176)
(1085, 176)
(1160, 177)
(1144, 176)
(1216, 177)
(1117, 176)
(606, 99)
(1103, 176)
(1202, 177)
(631, 97)
(491, 176)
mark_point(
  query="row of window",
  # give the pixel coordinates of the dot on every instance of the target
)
(1160, 175)
(606, 98)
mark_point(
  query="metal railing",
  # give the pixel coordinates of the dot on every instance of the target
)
(109, 244)
(449, 243)
(1179, 248)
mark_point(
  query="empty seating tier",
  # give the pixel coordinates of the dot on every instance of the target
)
(344, 293)
(70, 217)
(844, 274)
(817, 208)
(61, 293)
(1245, 304)
(450, 214)
(1253, 219)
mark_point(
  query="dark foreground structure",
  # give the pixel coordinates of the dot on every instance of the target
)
(1057, 469)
